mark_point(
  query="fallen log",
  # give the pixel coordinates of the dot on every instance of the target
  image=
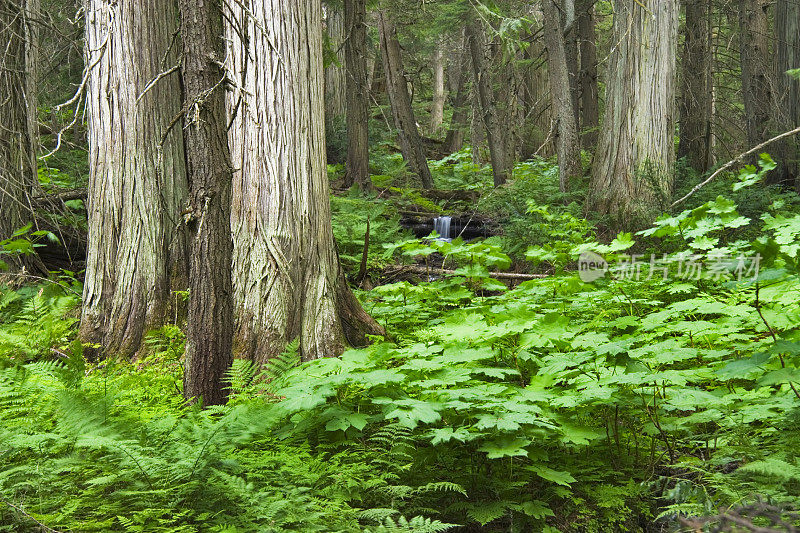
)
(509, 276)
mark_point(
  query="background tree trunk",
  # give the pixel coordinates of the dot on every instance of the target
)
(209, 337)
(137, 183)
(336, 72)
(757, 83)
(286, 274)
(458, 75)
(787, 31)
(439, 90)
(567, 143)
(633, 167)
(355, 48)
(569, 29)
(486, 107)
(696, 93)
(588, 87)
(18, 174)
(397, 88)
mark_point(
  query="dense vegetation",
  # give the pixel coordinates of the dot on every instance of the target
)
(223, 310)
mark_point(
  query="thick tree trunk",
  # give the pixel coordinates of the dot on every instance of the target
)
(787, 31)
(287, 279)
(567, 143)
(355, 48)
(633, 167)
(397, 88)
(137, 183)
(209, 337)
(696, 94)
(458, 75)
(336, 72)
(588, 86)
(18, 176)
(439, 90)
(486, 106)
(569, 28)
(537, 101)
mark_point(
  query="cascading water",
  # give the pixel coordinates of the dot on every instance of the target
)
(441, 225)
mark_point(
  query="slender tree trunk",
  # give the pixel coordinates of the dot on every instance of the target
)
(209, 338)
(137, 182)
(18, 176)
(787, 31)
(459, 98)
(397, 88)
(567, 143)
(569, 28)
(588, 87)
(439, 90)
(486, 107)
(696, 94)
(757, 83)
(336, 72)
(287, 279)
(633, 168)
(355, 48)
(477, 134)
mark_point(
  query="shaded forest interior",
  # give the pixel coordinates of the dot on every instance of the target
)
(400, 265)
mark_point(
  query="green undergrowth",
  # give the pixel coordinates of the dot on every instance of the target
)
(652, 392)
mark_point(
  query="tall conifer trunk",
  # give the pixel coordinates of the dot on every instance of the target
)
(633, 166)
(355, 49)
(137, 182)
(287, 279)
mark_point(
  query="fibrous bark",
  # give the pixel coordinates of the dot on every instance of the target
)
(209, 337)
(287, 279)
(587, 82)
(336, 72)
(397, 88)
(18, 176)
(355, 48)
(567, 142)
(458, 75)
(439, 90)
(137, 183)
(787, 31)
(757, 83)
(633, 167)
(696, 91)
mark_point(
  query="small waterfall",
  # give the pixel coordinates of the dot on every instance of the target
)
(441, 225)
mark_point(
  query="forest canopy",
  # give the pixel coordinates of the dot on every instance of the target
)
(399, 265)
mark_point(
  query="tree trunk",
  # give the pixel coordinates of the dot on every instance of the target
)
(209, 337)
(787, 21)
(588, 87)
(459, 95)
(137, 184)
(567, 143)
(696, 94)
(537, 101)
(397, 88)
(756, 72)
(633, 168)
(336, 71)
(486, 107)
(355, 48)
(18, 175)
(569, 28)
(287, 279)
(439, 91)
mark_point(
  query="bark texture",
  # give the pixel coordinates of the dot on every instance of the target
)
(567, 142)
(137, 184)
(587, 81)
(209, 338)
(633, 167)
(696, 87)
(397, 88)
(458, 75)
(336, 73)
(486, 107)
(757, 83)
(286, 274)
(355, 48)
(18, 175)
(787, 21)
(439, 90)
